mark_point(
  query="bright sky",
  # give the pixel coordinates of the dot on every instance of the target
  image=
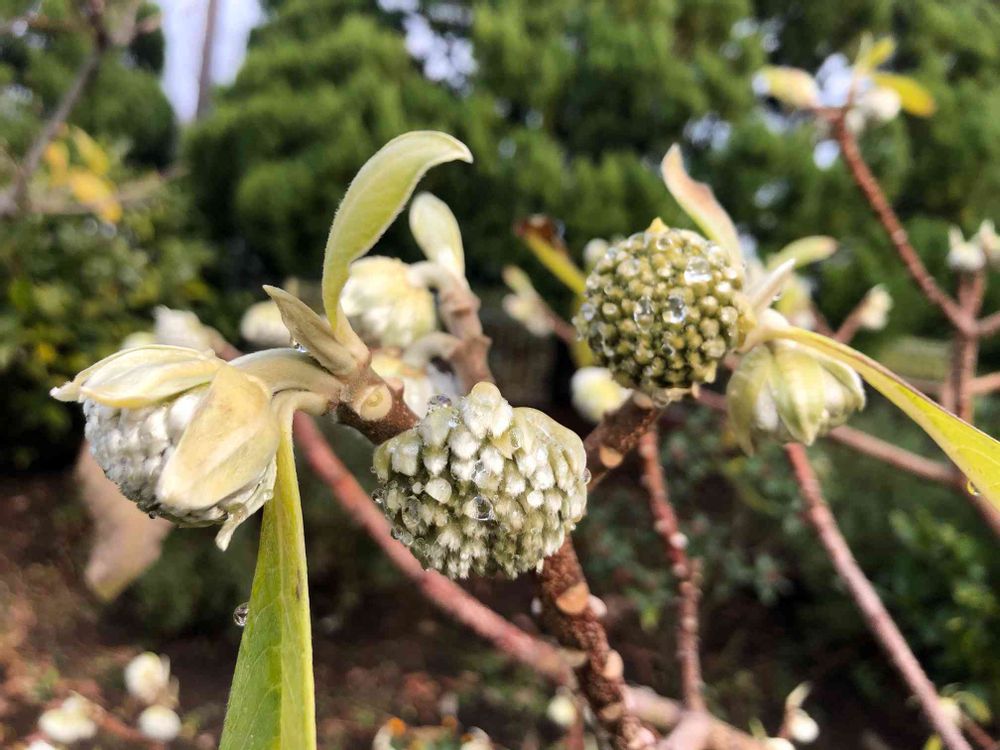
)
(184, 27)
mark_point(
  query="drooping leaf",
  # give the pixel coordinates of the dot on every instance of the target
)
(312, 331)
(272, 702)
(540, 235)
(436, 230)
(698, 202)
(976, 454)
(375, 197)
(913, 97)
(804, 251)
(793, 86)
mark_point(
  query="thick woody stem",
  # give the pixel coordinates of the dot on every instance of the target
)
(872, 191)
(686, 571)
(617, 434)
(566, 612)
(879, 621)
(664, 713)
(460, 313)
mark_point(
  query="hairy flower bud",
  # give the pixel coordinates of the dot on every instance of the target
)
(785, 392)
(875, 308)
(479, 486)
(147, 677)
(183, 434)
(385, 305)
(71, 721)
(965, 256)
(595, 392)
(159, 723)
(663, 308)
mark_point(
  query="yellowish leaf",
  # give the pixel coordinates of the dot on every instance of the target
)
(976, 454)
(793, 86)
(804, 251)
(96, 193)
(873, 53)
(698, 202)
(56, 157)
(913, 97)
(374, 199)
(538, 233)
(90, 152)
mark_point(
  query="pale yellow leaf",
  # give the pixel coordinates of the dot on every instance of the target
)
(793, 86)
(539, 234)
(375, 197)
(804, 251)
(436, 230)
(698, 202)
(56, 157)
(976, 454)
(873, 53)
(92, 154)
(913, 97)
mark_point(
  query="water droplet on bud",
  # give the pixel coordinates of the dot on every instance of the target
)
(482, 509)
(697, 271)
(676, 309)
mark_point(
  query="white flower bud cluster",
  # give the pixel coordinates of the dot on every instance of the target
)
(133, 447)
(147, 678)
(386, 305)
(595, 392)
(71, 721)
(482, 487)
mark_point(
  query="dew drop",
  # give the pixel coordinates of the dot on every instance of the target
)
(378, 496)
(643, 312)
(971, 488)
(482, 509)
(438, 401)
(152, 514)
(586, 476)
(241, 613)
(676, 309)
(628, 268)
(587, 311)
(697, 271)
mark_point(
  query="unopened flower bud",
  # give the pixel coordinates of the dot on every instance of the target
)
(182, 328)
(786, 392)
(525, 305)
(663, 308)
(384, 303)
(593, 251)
(160, 723)
(479, 486)
(778, 743)
(879, 103)
(183, 434)
(147, 677)
(73, 720)
(989, 242)
(965, 256)
(562, 709)
(595, 392)
(874, 312)
(802, 727)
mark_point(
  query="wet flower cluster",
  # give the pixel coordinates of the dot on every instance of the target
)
(482, 487)
(663, 308)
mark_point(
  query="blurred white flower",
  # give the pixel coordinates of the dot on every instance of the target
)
(263, 327)
(71, 721)
(182, 328)
(879, 104)
(386, 304)
(802, 727)
(562, 710)
(159, 723)
(989, 242)
(593, 251)
(951, 709)
(525, 305)
(778, 743)
(595, 392)
(40, 745)
(147, 677)
(874, 312)
(964, 255)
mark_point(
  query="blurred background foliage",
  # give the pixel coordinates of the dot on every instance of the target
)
(568, 107)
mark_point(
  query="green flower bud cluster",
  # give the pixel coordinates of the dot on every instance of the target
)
(663, 308)
(480, 486)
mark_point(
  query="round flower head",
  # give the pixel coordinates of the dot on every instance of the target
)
(183, 434)
(71, 721)
(663, 308)
(785, 392)
(479, 486)
(147, 677)
(385, 305)
(160, 723)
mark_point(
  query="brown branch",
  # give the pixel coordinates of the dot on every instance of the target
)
(872, 191)
(665, 714)
(978, 734)
(989, 325)
(900, 458)
(966, 346)
(691, 733)
(686, 571)
(617, 434)
(459, 308)
(207, 50)
(985, 384)
(850, 326)
(879, 621)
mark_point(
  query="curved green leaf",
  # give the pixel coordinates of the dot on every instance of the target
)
(272, 703)
(804, 251)
(436, 230)
(698, 202)
(375, 197)
(976, 454)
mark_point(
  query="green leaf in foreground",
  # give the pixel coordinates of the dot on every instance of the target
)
(976, 454)
(375, 197)
(272, 703)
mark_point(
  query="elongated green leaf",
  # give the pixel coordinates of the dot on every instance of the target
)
(698, 202)
(272, 702)
(436, 230)
(913, 97)
(873, 53)
(375, 197)
(539, 234)
(976, 454)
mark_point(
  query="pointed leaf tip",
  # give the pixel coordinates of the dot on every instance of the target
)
(375, 197)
